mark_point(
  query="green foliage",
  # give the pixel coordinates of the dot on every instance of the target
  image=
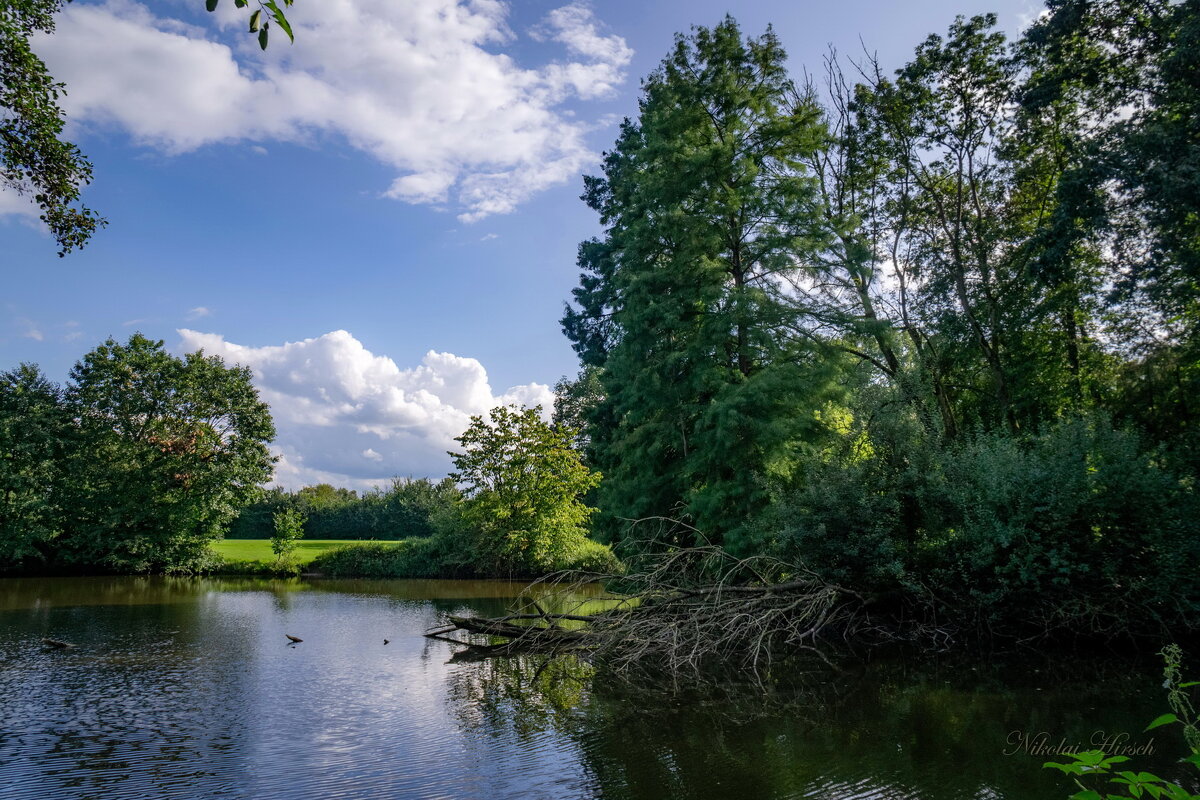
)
(1124, 73)
(34, 159)
(1092, 765)
(577, 402)
(415, 558)
(275, 568)
(521, 515)
(938, 338)
(443, 557)
(523, 480)
(289, 527)
(1082, 522)
(1082, 510)
(1183, 710)
(35, 432)
(708, 210)
(257, 24)
(137, 466)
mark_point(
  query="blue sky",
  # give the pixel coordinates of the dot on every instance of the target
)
(380, 220)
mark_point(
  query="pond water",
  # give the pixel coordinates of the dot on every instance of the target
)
(188, 688)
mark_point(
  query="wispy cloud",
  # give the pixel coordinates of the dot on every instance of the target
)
(30, 329)
(199, 312)
(20, 207)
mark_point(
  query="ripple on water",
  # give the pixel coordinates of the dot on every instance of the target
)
(201, 696)
(180, 689)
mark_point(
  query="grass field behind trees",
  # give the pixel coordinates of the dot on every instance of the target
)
(258, 551)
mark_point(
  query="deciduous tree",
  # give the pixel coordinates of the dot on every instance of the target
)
(170, 449)
(523, 480)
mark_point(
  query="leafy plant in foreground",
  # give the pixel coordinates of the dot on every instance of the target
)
(1094, 764)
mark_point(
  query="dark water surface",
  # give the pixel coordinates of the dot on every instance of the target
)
(187, 688)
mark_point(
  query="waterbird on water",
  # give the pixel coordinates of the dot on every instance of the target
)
(293, 638)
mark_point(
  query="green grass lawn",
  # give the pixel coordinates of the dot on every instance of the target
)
(260, 549)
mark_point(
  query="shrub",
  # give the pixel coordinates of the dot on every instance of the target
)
(1081, 519)
(414, 558)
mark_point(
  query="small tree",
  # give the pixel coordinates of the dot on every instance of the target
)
(289, 528)
(523, 481)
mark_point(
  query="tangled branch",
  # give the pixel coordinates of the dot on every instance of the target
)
(679, 612)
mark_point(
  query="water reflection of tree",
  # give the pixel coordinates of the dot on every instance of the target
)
(527, 695)
(898, 729)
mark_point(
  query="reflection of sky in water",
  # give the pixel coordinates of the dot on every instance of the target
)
(198, 694)
(188, 688)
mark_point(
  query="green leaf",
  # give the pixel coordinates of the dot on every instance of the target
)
(262, 37)
(1165, 719)
(254, 20)
(1189, 683)
(240, 3)
(280, 20)
(211, 5)
(1066, 769)
(1087, 794)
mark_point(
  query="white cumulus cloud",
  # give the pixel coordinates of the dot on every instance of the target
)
(348, 416)
(422, 85)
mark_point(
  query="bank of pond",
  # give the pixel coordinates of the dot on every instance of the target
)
(190, 687)
(427, 557)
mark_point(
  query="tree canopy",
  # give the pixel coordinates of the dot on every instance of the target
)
(932, 332)
(709, 212)
(137, 465)
(523, 482)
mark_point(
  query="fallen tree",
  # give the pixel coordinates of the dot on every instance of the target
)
(683, 611)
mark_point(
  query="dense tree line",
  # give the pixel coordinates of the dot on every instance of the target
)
(933, 332)
(404, 510)
(135, 465)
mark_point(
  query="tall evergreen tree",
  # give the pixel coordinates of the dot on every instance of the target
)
(708, 210)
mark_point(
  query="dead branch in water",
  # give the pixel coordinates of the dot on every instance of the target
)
(679, 611)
